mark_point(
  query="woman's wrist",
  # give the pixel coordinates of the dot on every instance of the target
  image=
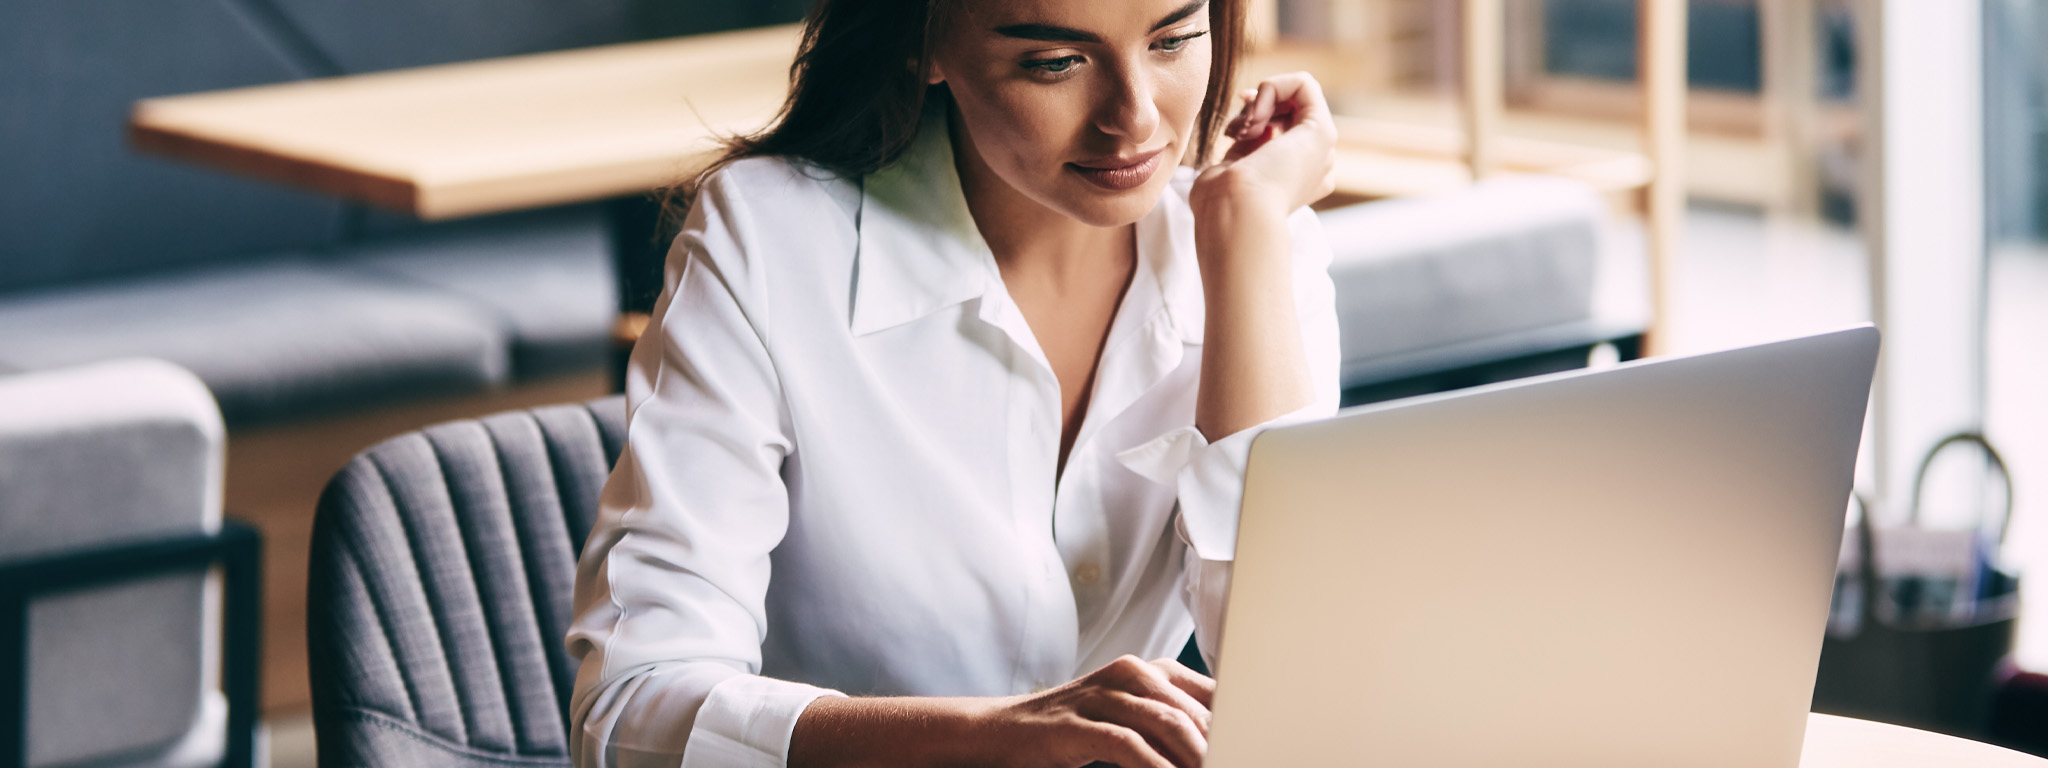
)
(1243, 247)
(891, 731)
(1229, 193)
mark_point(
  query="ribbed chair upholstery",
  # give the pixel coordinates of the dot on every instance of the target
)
(442, 569)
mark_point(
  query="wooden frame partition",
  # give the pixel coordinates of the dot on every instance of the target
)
(1660, 52)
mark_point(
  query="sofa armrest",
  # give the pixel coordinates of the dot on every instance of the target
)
(236, 548)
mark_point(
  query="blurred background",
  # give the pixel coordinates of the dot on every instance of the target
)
(340, 223)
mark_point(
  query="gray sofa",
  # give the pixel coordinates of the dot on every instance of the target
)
(286, 304)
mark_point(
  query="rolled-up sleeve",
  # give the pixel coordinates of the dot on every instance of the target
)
(672, 583)
(1209, 477)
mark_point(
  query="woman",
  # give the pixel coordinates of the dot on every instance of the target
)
(947, 397)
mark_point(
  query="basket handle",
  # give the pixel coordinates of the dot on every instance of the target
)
(1866, 533)
(1920, 479)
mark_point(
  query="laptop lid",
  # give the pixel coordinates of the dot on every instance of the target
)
(1629, 567)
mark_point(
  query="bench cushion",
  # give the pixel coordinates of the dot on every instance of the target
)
(546, 279)
(275, 339)
(1496, 270)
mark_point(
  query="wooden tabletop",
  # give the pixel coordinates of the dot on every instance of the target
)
(571, 126)
(1840, 742)
(486, 136)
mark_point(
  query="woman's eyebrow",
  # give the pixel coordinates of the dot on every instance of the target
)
(1056, 34)
(1179, 13)
(1047, 32)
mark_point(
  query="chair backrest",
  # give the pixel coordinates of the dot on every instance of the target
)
(442, 569)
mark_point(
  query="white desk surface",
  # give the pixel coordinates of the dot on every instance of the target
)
(1840, 742)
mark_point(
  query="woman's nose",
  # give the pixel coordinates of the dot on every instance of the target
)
(1128, 111)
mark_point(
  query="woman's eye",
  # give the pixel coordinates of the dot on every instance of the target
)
(1054, 66)
(1172, 44)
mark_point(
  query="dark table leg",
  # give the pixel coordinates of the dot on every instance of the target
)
(640, 239)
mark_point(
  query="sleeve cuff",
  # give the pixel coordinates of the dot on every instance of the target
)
(747, 721)
(1208, 476)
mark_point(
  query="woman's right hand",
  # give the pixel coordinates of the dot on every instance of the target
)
(1133, 713)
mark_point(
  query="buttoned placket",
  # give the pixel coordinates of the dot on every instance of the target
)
(1033, 403)
(1142, 346)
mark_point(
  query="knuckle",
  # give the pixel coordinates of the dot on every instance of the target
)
(1172, 717)
(1130, 739)
(1110, 735)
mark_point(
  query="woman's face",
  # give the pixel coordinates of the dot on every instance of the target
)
(1084, 106)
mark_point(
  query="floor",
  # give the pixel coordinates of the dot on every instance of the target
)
(291, 741)
(1743, 279)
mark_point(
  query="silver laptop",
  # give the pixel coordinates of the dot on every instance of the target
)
(1628, 567)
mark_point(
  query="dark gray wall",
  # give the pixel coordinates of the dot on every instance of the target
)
(365, 35)
(74, 204)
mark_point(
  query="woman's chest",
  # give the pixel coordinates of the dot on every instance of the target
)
(955, 421)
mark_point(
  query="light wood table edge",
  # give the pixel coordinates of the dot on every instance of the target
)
(147, 135)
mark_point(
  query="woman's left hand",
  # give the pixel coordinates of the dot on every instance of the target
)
(1284, 152)
(1254, 367)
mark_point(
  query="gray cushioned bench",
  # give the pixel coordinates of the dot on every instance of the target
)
(1511, 277)
(442, 312)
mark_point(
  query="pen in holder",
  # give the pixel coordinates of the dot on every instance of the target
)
(1923, 622)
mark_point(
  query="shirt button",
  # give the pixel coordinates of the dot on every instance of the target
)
(1088, 574)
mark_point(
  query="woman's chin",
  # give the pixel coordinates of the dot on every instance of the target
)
(1096, 206)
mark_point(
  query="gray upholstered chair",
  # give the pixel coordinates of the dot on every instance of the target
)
(443, 564)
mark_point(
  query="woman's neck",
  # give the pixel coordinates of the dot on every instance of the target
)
(1031, 242)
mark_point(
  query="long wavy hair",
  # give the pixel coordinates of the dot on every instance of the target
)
(851, 113)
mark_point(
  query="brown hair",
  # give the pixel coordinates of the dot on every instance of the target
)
(851, 113)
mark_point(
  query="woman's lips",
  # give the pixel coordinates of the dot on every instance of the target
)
(1119, 173)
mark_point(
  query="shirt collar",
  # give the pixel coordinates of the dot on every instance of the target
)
(1166, 249)
(920, 250)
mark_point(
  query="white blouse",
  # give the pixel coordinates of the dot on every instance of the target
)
(839, 469)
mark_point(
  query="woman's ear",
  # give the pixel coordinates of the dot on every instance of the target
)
(933, 75)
